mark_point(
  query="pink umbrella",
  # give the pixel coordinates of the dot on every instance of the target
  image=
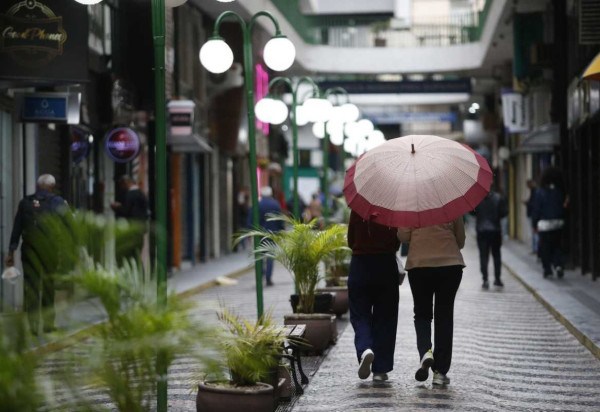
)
(417, 181)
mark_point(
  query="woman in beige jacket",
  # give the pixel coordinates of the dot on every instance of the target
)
(434, 266)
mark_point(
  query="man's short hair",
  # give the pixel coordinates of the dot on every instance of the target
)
(266, 191)
(46, 181)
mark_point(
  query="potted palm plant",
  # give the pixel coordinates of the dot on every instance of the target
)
(300, 249)
(251, 353)
(336, 269)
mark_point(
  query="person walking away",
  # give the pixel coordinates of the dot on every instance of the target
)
(39, 284)
(531, 184)
(547, 215)
(135, 209)
(489, 214)
(434, 266)
(267, 205)
(373, 291)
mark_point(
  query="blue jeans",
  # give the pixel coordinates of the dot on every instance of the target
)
(373, 292)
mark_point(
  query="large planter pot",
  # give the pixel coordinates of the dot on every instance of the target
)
(319, 329)
(323, 302)
(285, 380)
(213, 397)
(340, 298)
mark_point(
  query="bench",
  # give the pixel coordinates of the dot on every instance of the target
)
(292, 352)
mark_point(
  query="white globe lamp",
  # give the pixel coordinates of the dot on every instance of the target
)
(216, 56)
(318, 110)
(318, 130)
(352, 130)
(301, 115)
(366, 126)
(279, 53)
(337, 137)
(270, 110)
(350, 112)
(88, 2)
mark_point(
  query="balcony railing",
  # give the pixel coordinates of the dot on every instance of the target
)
(369, 31)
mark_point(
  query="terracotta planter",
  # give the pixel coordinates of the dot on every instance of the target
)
(214, 398)
(323, 302)
(340, 298)
(319, 329)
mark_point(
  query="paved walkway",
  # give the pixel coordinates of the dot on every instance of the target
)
(510, 354)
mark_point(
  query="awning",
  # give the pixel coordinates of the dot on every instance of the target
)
(189, 144)
(542, 140)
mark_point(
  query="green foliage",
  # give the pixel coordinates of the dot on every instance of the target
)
(337, 263)
(299, 249)
(20, 390)
(123, 352)
(251, 349)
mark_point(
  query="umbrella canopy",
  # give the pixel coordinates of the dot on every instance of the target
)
(417, 181)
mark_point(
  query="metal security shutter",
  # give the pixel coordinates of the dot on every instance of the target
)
(589, 18)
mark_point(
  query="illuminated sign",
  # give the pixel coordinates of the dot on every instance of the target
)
(122, 144)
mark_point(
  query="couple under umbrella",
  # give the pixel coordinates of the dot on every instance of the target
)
(413, 189)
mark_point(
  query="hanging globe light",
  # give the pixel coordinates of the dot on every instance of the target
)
(216, 56)
(88, 2)
(318, 130)
(279, 53)
(350, 112)
(270, 110)
(366, 126)
(318, 110)
(301, 115)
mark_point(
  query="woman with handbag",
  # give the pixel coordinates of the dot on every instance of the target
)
(373, 290)
(434, 266)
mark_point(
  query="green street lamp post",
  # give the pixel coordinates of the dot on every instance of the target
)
(216, 56)
(264, 112)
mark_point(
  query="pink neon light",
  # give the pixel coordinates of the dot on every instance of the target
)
(261, 85)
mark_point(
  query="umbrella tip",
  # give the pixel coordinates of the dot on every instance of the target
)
(413, 148)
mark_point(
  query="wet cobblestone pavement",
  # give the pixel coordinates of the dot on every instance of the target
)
(510, 354)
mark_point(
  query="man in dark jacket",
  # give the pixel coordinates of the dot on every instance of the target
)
(548, 219)
(489, 214)
(267, 205)
(135, 209)
(37, 273)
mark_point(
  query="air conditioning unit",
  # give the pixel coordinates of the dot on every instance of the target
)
(589, 30)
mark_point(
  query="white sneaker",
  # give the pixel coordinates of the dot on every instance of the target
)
(426, 362)
(380, 377)
(366, 359)
(440, 379)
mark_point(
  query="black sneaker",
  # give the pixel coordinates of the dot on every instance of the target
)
(486, 285)
(498, 283)
(269, 283)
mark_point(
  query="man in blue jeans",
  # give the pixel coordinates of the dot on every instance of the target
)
(267, 205)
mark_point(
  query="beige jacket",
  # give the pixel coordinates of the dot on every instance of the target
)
(434, 246)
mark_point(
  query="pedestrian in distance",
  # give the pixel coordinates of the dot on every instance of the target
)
(373, 291)
(37, 272)
(290, 206)
(532, 185)
(135, 209)
(314, 210)
(548, 218)
(267, 205)
(489, 214)
(434, 266)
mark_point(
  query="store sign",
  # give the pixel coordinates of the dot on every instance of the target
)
(181, 117)
(122, 145)
(410, 87)
(43, 39)
(413, 117)
(516, 111)
(50, 107)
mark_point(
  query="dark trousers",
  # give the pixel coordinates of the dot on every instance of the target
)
(268, 267)
(489, 242)
(550, 250)
(38, 298)
(442, 284)
(373, 292)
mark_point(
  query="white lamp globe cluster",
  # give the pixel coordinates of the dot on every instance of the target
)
(269, 110)
(216, 55)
